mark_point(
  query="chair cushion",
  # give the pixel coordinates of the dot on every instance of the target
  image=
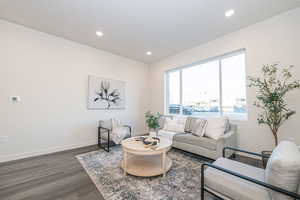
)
(216, 127)
(283, 169)
(234, 187)
(197, 141)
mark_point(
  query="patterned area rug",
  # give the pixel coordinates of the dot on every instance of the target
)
(182, 182)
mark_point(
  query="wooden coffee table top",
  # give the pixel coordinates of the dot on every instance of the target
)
(137, 147)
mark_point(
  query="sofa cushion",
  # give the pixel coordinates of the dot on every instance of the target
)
(197, 141)
(216, 127)
(283, 169)
(232, 186)
(176, 124)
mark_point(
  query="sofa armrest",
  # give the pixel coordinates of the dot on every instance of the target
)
(229, 139)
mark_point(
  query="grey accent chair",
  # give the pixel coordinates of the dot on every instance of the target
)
(205, 146)
(104, 134)
(232, 180)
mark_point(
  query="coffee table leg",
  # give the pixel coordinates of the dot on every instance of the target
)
(164, 163)
(125, 162)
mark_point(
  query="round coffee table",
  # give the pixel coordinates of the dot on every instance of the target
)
(140, 160)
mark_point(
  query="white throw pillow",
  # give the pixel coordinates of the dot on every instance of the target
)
(283, 169)
(176, 124)
(200, 127)
(216, 127)
(116, 123)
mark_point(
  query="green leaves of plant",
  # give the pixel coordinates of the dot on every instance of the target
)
(272, 90)
(152, 120)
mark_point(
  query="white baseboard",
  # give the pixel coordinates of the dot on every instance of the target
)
(12, 157)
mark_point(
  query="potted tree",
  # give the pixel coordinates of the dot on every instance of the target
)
(272, 88)
(152, 121)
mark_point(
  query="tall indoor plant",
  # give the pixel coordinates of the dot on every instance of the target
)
(152, 121)
(272, 88)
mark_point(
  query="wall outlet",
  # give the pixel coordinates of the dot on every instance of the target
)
(3, 139)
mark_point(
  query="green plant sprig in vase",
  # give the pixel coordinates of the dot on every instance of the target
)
(152, 121)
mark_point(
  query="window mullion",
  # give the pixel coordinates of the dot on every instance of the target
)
(181, 93)
(220, 88)
(167, 84)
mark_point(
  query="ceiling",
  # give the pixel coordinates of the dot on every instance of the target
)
(133, 27)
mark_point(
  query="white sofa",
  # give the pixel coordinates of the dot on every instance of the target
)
(204, 146)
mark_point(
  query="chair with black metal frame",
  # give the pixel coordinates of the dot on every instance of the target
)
(247, 178)
(106, 146)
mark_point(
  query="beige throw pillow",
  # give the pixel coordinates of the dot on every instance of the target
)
(216, 127)
(199, 127)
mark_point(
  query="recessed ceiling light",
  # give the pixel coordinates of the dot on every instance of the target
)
(229, 13)
(99, 33)
(149, 53)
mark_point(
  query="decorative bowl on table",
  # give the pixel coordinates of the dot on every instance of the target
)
(151, 141)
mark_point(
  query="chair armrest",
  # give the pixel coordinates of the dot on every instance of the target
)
(240, 150)
(104, 128)
(247, 178)
(130, 128)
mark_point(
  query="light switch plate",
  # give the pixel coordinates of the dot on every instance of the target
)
(15, 99)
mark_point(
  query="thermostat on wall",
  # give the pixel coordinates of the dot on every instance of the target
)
(15, 98)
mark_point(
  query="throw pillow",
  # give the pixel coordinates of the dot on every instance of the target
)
(283, 169)
(115, 123)
(176, 124)
(216, 127)
(190, 124)
(200, 127)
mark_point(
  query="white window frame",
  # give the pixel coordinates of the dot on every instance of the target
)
(217, 58)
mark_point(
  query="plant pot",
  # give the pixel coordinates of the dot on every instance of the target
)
(265, 157)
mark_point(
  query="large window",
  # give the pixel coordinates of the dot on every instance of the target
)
(216, 87)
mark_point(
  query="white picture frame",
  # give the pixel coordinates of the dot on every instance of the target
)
(105, 94)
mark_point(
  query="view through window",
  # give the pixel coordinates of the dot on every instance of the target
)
(213, 88)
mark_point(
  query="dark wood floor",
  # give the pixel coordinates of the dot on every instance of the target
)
(57, 176)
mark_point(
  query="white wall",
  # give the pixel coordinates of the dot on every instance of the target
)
(50, 75)
(276, 39)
